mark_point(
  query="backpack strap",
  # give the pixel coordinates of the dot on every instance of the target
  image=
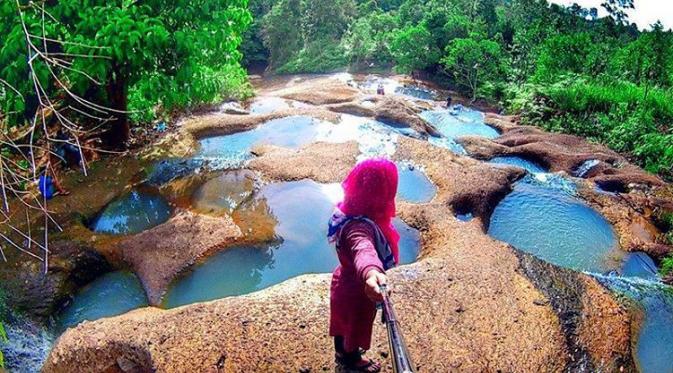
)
(381, 245)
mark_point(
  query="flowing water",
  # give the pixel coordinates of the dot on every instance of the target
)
(303, 247)
(416, 92)
(654, 349)
(28, 346)
(529, 166)
(112, 294)
(136, 211)
(585, 167)
(455, 123)
(542, 216)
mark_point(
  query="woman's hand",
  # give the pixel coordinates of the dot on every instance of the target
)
(374, 279)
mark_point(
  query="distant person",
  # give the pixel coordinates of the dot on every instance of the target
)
(380, 90)
(367, 245)
(448, 101)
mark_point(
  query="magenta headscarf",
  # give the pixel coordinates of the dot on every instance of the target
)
(369, 190)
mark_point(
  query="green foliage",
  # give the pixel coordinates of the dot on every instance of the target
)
(569, 54)
(312, 47)
(666, 266)
(149, 56)
(473, 62)
(413, 49)
(562, 68)
(368, 40)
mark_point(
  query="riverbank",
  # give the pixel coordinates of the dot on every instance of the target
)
(549, 318)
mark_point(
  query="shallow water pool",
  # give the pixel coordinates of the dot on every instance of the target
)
(224, 193)
(303, 247)
(265, 105)
(556, 227)
(416, 92)
(414, 186)
(133, 212)
(527, 165)
(289, 132)
(112, 294)
(465, 122)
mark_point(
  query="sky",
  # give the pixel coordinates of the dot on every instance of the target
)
(646, 13)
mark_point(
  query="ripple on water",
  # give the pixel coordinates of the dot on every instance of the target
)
(224, 193)
(303, 247)
(112, 294)
(555, 227)
(654, 347)
(416, 92)
(133, 212)
(289, 132)
(527, 165)
(414, 186)
(464, 122)
(27, 347)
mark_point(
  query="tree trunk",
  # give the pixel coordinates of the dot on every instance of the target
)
(118, 135)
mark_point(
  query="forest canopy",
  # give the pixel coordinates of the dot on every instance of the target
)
(562, 68)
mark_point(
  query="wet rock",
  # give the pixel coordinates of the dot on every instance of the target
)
(40, 294)
(320, 91)
(157, 261)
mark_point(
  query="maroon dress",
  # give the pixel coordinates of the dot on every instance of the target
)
(352, 313)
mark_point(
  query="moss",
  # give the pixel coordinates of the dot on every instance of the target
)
(667, 266)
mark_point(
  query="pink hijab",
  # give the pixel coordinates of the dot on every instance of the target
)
(369, 190)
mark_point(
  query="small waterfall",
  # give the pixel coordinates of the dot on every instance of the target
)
(28, 346)
(585, 167)
(654, 351)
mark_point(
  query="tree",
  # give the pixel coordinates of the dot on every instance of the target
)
(157, 52)
(649, 59)
(472, 62)
(617, 9)
(414, 49)
(280, 33)
(568, 53)
(369, 38)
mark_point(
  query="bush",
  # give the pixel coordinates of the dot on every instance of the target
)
(621, 115)
(315, 58)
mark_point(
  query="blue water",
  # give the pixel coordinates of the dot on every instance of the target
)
(416, 92)
(465, 217)
(289, 132)
(654, 347)
(585, 167)
(112, 294)
(224, 193)
(304, 248)
(639, 265)
(466, 122)
(132, 213)
(27, 347)
(170, 169)
(414, 186)
(527, 165)
(556, 227)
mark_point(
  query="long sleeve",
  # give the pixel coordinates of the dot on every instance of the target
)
(359, 237)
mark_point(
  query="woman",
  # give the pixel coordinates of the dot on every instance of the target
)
(367, 245)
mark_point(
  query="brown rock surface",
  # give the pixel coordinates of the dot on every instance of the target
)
(157, 260)
(469, 304)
